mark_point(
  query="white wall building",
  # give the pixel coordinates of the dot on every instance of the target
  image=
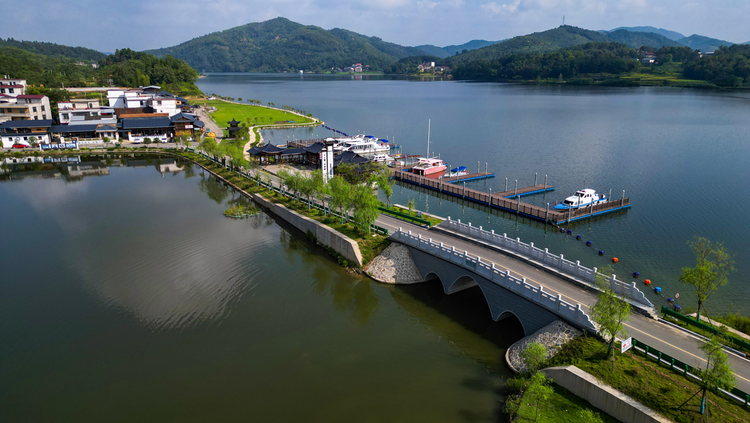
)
(12, 86)
(24, 107)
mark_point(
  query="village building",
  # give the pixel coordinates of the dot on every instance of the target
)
(12, 86)
(24, 107)
(24, 132)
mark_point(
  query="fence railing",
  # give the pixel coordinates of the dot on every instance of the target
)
(685, 369)
(279, 189)
(543, 256)
(710, 329)
(503, 278)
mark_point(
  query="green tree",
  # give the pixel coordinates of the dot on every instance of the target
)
(320, 188)
(539, 389)
(534, 356)
(411, 205)
(588, 416)
(713, 263)
(32, 141)
(307, 189)
(365, 206)
(340, 196)
(610, 311)
(385, 183)
(147, 140)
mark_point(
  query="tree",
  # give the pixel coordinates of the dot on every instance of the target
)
(307, 188)
(365, 206)
(147, 140)
(320, 188)
(713, 263)
(539, 388)
(340, 196)
(610, 311)
(717, 374)
(588, 416)
(385, 183)
(32, 141)
(534, 356)
(411, 205)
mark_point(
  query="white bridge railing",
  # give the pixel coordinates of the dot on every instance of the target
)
(502, 278)
(557, 262)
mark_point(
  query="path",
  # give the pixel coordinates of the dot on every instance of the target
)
(210, 124)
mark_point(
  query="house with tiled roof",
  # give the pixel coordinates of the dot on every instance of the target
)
(24, 107)
(12, 86)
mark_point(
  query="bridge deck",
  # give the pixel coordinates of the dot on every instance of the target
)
(674, 342)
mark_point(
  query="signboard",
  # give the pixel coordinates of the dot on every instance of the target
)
(326, 161)
(626, 345)
(188, 126)
(61, 146)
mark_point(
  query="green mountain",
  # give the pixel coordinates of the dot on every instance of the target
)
(699, 42)
(558, 38)
(55, 50)
(672, 35)
(638, 39)
(282, 45)
(538, 42)
(451, 50)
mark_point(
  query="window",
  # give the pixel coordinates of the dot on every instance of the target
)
(33, 109)
(43, 108)
(11, 90)
(2, 90)
(64, 116)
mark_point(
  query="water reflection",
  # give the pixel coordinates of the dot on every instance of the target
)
(74, 168)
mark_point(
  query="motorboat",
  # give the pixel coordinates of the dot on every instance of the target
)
(382, 158)
(457, 171)
(361, 144)
(582, 198)
(427, 167)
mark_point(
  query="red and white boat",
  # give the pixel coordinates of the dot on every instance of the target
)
(427, 167)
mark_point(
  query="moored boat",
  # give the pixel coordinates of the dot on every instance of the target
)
(457, 171)
(582, 198)
(427, 167)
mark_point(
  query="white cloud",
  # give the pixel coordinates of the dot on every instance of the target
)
(495, 8)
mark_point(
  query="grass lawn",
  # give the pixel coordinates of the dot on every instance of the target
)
(561, 407)
(653, 385)
(435, 221)
(247, 113)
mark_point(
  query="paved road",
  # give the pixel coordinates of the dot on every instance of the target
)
(663, 337)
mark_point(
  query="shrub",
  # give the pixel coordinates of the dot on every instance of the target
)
(147, 140)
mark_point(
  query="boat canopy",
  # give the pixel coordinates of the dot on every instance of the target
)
(458, 169)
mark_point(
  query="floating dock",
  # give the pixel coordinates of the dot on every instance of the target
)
(468, 177)
(510, 200)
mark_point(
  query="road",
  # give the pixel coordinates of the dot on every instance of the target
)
(665, 338)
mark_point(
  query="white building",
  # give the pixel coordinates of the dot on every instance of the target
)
(65, 108)
(24, 132)
(12, 86)
(24, 107)
(146, 97)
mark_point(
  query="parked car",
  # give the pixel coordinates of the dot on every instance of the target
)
(20, 145)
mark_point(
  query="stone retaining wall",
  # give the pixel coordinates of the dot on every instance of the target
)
(394, 265)
(324, 234)
(603, 397)
(552, 336)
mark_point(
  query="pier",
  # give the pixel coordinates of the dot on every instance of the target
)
(510, 200)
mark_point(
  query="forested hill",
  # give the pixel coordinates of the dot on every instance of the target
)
(282, 45)
(55, 50)
(443, 52)
(558, 38)
(124, 68)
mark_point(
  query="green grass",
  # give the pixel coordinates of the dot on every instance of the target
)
(735, 321)
(226, 111)
(653, 385)
(561, 407)
(435, 221)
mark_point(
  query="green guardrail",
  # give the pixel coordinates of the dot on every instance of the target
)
(406, 216)
(710, 329)
(681, 367)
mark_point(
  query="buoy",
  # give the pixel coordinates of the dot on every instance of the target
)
(588, 243)
(677, 307)
(578, 237)
(636, 274)
(657, 290)
(671, 300)
(647, 281)
(601, 252)
(562, 229)
(569, 232)
(615, 259)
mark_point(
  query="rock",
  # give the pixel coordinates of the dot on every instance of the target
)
(394, 265)
(552, 336)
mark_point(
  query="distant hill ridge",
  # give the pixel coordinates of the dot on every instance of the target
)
(443, 52)
(672, 35)
(55, 50)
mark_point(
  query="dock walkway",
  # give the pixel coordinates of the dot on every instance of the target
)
(511, 200)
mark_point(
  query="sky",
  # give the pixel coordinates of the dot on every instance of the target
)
(107, 25)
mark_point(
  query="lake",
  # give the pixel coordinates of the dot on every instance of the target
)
(128, 296)
(681, 156)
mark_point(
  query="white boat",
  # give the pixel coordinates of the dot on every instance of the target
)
(361, 144)
(457, 171)
(382, 158)
(427, 167)
(582, 198)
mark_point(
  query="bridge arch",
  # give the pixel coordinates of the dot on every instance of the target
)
(507, 314)
(460, 283)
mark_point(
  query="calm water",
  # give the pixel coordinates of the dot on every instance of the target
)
(681, 155)
(127, 296)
